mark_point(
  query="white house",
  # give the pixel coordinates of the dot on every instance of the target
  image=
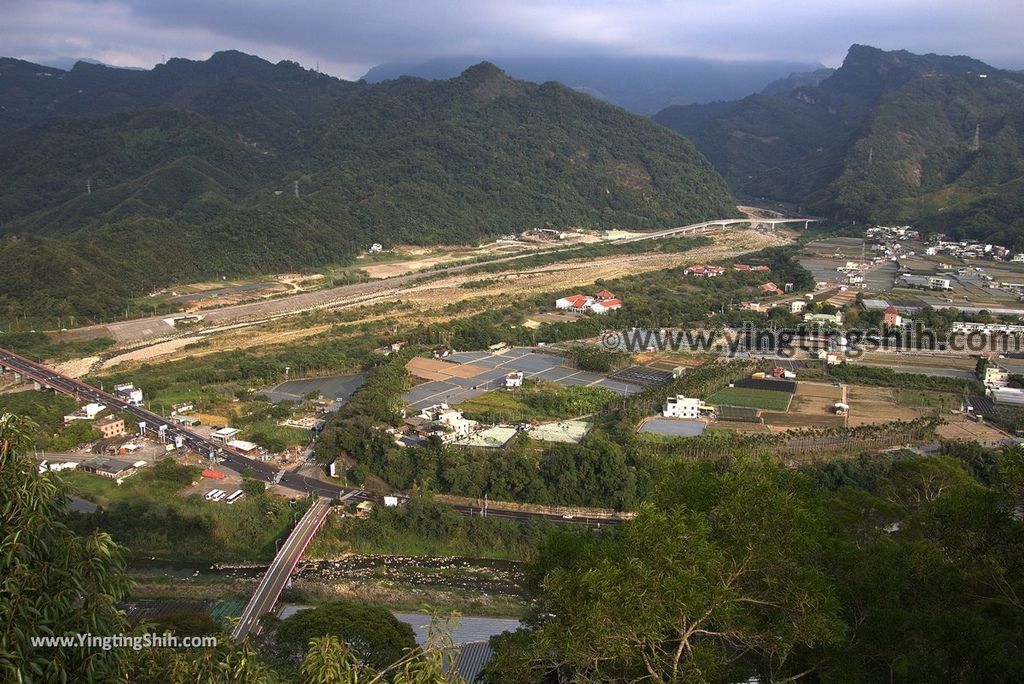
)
(797, 306)
(87, 412)
(995, 375)
(836, 318)
(604, 306)
(129, 393)
(447, 423)
(682, 407)
(578, 302)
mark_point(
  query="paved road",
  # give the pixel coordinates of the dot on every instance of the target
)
(276, 577)
(172, 432)
(233, 460)
(155, 327)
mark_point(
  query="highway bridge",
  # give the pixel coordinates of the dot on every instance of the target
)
(283, 565)
(173, 433)
(696, 228)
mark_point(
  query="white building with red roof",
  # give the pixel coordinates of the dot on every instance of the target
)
(578, 302)
(605, 305)
(601, 303)
(704, 271)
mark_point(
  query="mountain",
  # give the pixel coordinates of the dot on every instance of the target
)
(115, 182)
(640, 84)
(805, 79)
(890, 136)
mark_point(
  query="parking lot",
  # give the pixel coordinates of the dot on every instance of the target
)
(491, 369)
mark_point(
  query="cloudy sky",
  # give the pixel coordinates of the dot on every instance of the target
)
(346, 37)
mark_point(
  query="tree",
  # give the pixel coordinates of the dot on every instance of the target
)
(54, 582)
(374, 635)
(253, 487)
(716, 579)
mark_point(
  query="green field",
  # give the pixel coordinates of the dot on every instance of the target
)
(752, 398)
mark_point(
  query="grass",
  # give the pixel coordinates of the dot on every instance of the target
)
(243, 531)
(919, 399)
(752, 398)
(537, 402)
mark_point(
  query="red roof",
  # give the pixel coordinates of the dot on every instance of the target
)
(891, 310)
(605, 294)
(576, 300)
(611, 303)
(741, 267)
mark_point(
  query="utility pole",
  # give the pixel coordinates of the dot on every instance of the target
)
(88, 186)
(296, 186)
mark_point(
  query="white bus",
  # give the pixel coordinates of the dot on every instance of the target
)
(220, 495)
(238, 494)
(212, 493)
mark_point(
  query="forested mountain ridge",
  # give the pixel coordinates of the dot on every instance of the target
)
(890, 136)
(99, 167)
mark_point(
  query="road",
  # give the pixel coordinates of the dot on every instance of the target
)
(276, 577)
(172, 433)
(232, 459)
(154, 327)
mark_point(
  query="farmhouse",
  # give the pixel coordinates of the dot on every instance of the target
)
(891, 317)
(703, 271)
(684, 407)
(602, 303)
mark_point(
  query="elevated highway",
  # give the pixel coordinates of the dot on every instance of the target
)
(171, 432)
(282, 567)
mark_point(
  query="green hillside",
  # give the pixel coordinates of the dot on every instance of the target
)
(189, 171)
(890, 136)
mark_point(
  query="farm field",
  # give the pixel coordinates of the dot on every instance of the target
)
(752, 398)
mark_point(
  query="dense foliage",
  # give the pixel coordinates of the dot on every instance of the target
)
(209, 157)
(741, 569)
(890, 136)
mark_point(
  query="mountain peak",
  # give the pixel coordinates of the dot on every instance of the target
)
(484, 71)
(488, 82)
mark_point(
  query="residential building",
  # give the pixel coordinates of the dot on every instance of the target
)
(926, 282)
(602, 303)
(703, 271)
(110, 468)
(995, 375)
(602, 307)
(577, 303)
(87, 412)
(110, 426)
(891, 317)
(797, 306)
(770, 288)
(447, 423)
(680, 406)
(835, 318)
